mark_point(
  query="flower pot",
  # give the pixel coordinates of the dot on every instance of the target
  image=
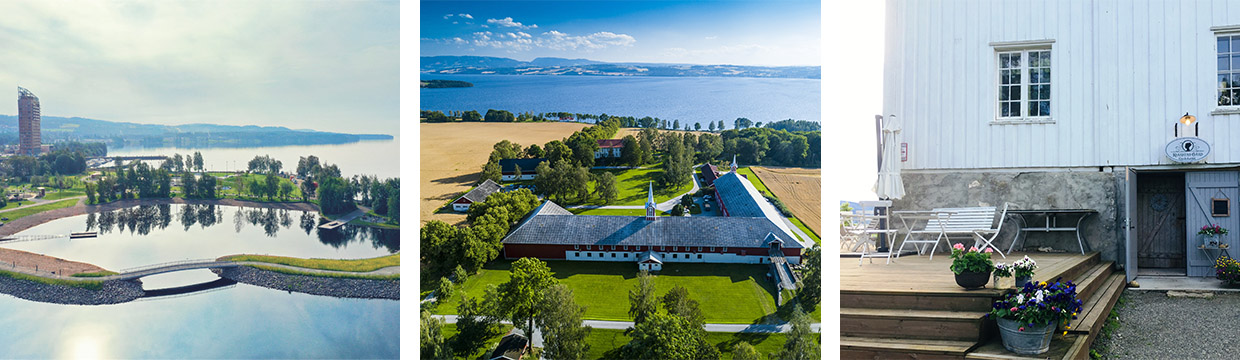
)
(1211, 241)
(972, 280)
(1022, 280)
(1032, 340)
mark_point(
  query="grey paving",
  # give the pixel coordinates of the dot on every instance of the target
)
(1155, 326)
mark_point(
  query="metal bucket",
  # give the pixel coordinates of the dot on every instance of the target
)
(1034, 340)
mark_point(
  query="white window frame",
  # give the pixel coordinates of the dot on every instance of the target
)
(1222, 31)
(1023, 48)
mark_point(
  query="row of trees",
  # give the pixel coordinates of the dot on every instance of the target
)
(445, 246)
(179, 164)
(577, 150)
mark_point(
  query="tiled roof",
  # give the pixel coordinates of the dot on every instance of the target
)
(610, 143)
(511, 346)
(527, 165)
(709, 174)
(741, 198)
(751, 232)
(480, 193)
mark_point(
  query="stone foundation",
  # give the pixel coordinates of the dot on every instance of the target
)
(1027, 190)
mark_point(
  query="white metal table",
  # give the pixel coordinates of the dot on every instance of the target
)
(1051, 223)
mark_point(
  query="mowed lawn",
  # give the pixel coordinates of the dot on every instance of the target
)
(727, 293)
(449, 334)
(603, 341)
(632, 185)
(614, 212)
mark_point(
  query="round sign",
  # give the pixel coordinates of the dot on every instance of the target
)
(1187, 149)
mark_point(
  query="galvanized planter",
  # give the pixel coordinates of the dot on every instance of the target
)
(1032, 341)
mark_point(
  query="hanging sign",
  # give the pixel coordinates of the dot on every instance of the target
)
(903, 152)
(1187, 149)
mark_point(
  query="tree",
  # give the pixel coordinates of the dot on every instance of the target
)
(667, 336)
(642, 302)
(560, 322)
(516, 171)
(677, 302)
(491, 171)
(333, 196)
(697, 126)
(583, 148)
(307, 166)
(676, 124)
(499, 116)
(90, 193)
(743, 351)
(720, 127)
(460, 274)
(630, 152)
(647, 150)
(758, 124)
(800, 344)
(189, 185)
(534, 151)
(522, 296)
(432, 341)
(678, 210)
(741, 123)
(712, 126)
(471, 115)
(178, 162)
(286, 189)
(811, 277)
(206, 186)
(605, 187)
(545, 182)
(474, 324)
(198, 160)
(273, 186)
(443, 291)
(557, 151)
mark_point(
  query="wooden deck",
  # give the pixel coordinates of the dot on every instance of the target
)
(919, 274)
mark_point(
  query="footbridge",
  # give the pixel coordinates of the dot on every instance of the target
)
(164, 268)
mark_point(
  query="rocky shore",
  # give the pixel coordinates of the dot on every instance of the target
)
(113, 292)
(327, 286)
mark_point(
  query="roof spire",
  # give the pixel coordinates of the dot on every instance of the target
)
(734, 163)
(650, 206)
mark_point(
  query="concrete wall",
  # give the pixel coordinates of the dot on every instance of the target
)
(1029, 190)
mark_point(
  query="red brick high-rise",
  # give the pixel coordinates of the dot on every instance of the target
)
(31, 143)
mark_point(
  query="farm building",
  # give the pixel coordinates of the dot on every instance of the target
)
(609, 148)
(508, 168)
(478, 194)
(754, 233)
(709, 174)
(1126, 109)
(511, 347)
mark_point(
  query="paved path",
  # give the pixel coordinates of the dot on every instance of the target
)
(807, 241)
(731, 328)
(663, 206)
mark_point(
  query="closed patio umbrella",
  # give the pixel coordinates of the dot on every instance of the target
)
(889, 185)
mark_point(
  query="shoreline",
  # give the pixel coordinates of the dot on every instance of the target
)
(314, 285)
(33, 220)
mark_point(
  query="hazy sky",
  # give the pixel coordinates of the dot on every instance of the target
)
(780, 32)
(323, 65)
(852, 95)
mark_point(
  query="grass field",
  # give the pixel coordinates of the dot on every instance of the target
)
(807, 230)
(799, 189)
(604, 340)
(85, 284)
(452, 156)
(31, 210)
(63, 194)
(728, 293)
(633, 184)
(616, 212)
(359, 265)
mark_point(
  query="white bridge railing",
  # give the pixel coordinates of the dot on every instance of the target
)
(169, 264)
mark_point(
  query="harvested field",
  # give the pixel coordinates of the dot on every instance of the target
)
(798, 188)
(452, 156)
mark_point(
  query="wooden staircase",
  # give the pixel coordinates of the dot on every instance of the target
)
(940, 324)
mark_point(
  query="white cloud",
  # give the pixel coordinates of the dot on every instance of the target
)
(561, 41)
(445, 17)
(508, 22)
(467, 16)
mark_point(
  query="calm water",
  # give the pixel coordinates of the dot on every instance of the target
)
(372, 157)
(241, 321)
(695, 99)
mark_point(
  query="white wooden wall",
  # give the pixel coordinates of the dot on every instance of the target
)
(1122, 73)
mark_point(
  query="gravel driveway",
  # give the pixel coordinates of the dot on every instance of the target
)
(1155, 326)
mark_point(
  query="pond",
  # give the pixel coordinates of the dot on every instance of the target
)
(233, 321)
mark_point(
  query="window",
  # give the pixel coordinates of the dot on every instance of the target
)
(626, 255)
(712, 249)
(613, 254)
(576, 247)
(699, 256)
(1229, 70)
(587, 247)
(576, 254)
(699, 249)
(1024, 86)
(674, 256)
(626, 247)
(588, 255)
(674, 248)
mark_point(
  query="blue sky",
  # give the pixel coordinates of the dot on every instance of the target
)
(323, 65)
(773, 33)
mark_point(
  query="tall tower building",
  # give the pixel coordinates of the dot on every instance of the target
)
(28, 123)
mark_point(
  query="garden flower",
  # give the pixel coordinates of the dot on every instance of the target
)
(988, 250)
(958, 246)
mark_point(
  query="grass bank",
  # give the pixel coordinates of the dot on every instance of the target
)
(603, 341)
(31, 210)
(101, 273)
(87, 284)
(359, 265)
(728, 293)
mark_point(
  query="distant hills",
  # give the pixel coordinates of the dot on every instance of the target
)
(119, 134)
(561, 66)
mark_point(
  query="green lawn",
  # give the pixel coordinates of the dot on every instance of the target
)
(801, 225)
(31, 210)
(604, 340)
(753, 179)
(359, 265)
(617, 212)
(728, 293)
(449, 333)
(63, 194)
(85, 284)
(632, 185)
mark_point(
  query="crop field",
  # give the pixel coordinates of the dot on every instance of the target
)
(452, 156)
(798, 188)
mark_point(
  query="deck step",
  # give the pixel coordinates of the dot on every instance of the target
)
(1093, 279)
(1072, 271)
(1062, 347)
(978, 301)
(913, 324)
(1095, 310)
(852, 347)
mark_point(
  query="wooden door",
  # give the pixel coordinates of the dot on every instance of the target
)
(1201, 188)
(1160, 221)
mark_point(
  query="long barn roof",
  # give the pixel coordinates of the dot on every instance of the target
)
(636, 230)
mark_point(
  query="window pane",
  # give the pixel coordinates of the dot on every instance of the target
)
(1235, 61)
(1035, 76)
(1003, 93)
(1005, 109)
(1235, 43)
(1033, 58)
(1016, 59)
(1004, 61)
(1222, 81)
(1046, 75)
(1046, 58)
(1044, 108)
(1224, 97)
(1045, 91)
(1033, 108)
(1223, 65)
(1015, 79)
(1033, 92)
(1222, 44)
(1004, 78)
(1014, 94)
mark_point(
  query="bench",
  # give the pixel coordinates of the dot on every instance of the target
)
(926, 228)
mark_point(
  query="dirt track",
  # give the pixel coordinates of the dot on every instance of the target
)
(798, 188)
(453, 154)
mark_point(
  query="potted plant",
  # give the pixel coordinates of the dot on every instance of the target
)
(1228, 270)
(1022, 269)
(1212, 235)
(972, 267)
(1028, 317)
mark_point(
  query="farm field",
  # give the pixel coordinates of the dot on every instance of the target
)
(452, 155)
(727, 293)
(798, 188)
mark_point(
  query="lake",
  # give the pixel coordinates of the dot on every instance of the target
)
(370, 157)
(240, 321)
(688, 99)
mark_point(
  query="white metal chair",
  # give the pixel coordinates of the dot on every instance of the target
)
(863, 234)
(925, 229)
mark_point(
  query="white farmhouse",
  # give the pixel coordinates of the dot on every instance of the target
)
(1070, 104)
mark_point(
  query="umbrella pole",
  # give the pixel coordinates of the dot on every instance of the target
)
(880, 211)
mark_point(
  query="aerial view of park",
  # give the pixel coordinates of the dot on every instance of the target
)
(587, 194)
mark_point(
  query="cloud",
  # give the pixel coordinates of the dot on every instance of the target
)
(445, 17)
(454, 23)
(508, 22)
(600, 40)
(467, 16)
